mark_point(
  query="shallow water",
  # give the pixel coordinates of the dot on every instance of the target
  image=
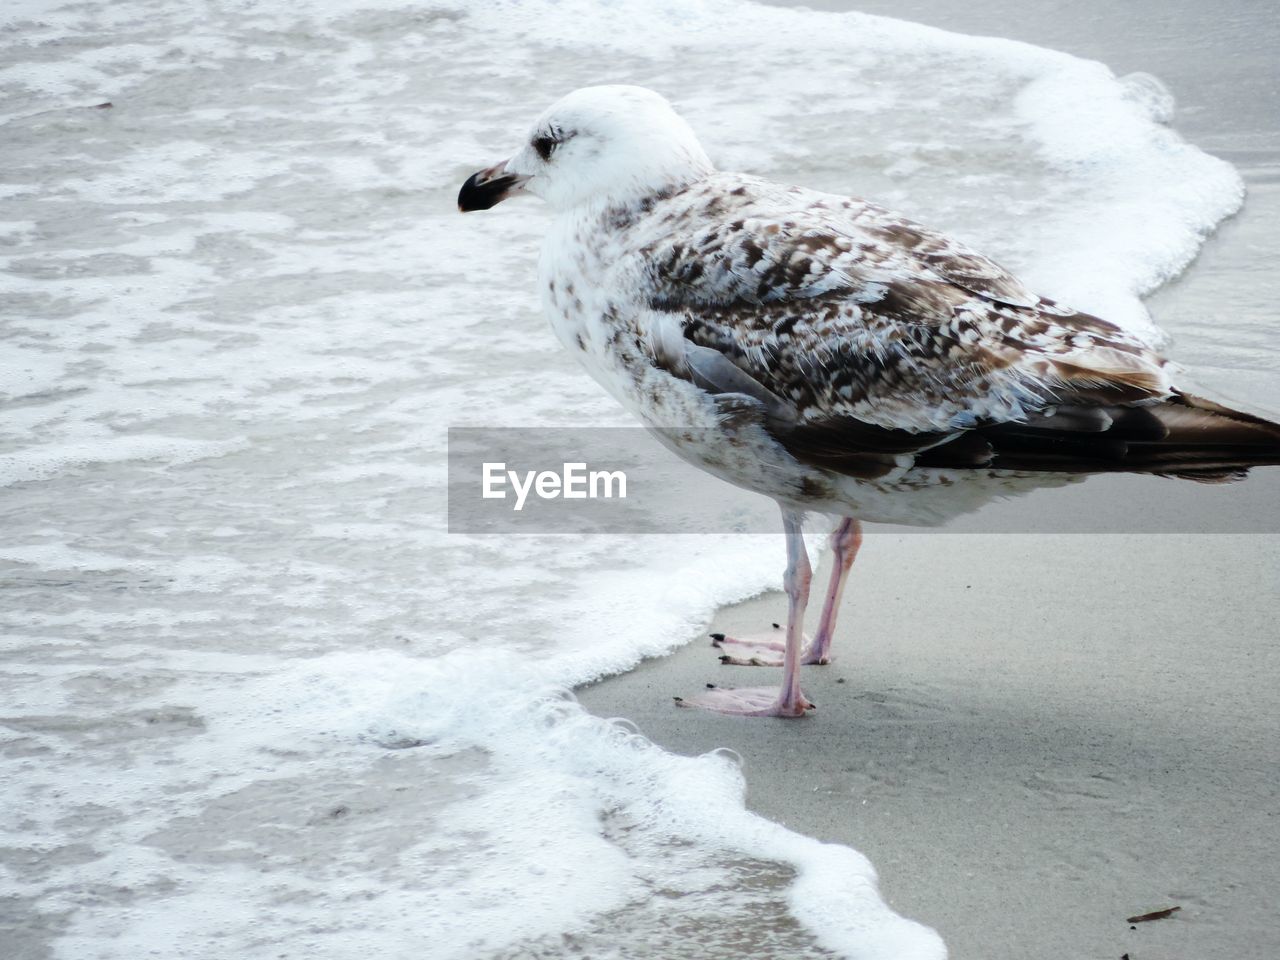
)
(258, 702)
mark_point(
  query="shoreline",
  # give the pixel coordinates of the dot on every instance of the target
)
(1035, 737)
(1023, 776)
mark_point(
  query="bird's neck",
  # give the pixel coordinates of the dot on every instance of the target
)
(619, 209)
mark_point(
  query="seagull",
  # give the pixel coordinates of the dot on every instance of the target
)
(829, 353)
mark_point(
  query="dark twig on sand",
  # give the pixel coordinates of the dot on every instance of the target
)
(1154, 915)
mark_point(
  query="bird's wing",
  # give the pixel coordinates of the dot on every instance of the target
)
(870, 342)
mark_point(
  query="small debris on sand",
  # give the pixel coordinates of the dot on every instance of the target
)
(1154, 915)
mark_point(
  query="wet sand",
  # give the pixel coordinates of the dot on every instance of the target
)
(1034, 737)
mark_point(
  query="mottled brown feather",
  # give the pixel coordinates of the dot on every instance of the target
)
(891, 345)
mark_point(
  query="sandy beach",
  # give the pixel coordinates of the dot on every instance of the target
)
(1034, 738)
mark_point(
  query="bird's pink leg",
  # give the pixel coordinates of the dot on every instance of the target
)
(845, 541)
(763, 652)
(787, 701)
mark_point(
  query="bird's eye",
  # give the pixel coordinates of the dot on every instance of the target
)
(545, 145)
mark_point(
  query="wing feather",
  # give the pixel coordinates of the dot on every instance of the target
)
(870, 341)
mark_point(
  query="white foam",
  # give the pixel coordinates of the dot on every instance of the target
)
(233, 348)
(40, 463)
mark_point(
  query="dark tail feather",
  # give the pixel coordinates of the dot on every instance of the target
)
(1184, 436)
(1202, 428)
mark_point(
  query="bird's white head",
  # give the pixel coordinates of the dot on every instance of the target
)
(610, 144)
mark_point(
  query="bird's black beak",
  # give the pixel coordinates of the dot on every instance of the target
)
(489, 187)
